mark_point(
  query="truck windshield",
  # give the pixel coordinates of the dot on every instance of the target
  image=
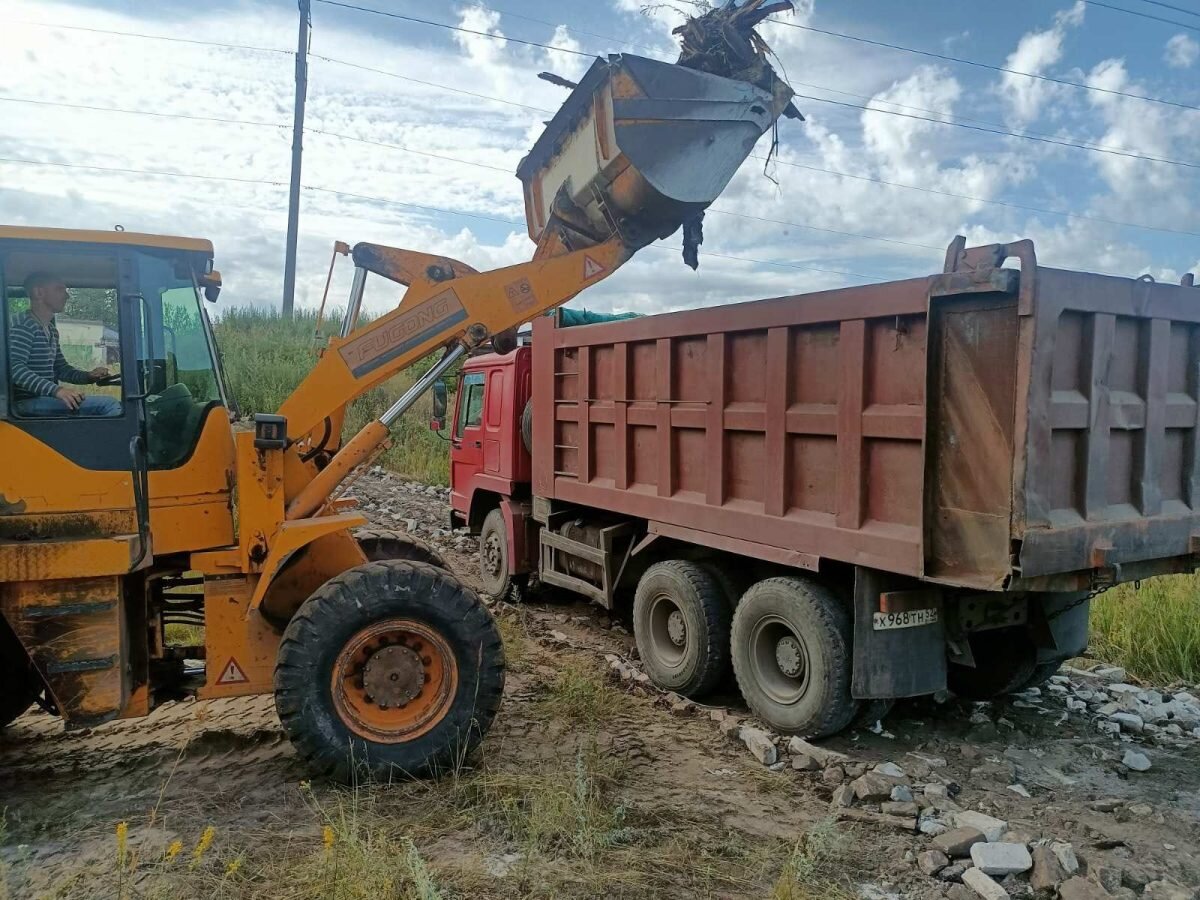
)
(177, 356)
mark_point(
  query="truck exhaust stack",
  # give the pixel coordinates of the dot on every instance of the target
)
(642, 147)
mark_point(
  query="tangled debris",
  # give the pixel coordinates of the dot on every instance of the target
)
(723, 42)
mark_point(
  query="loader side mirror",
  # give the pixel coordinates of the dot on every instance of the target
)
(438, 421)
(211, 283)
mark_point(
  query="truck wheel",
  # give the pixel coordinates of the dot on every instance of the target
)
(378, 544)
(1041, 674)
(19, 687)
(1005, 660)
(681, 625)
(733, 584)
(494, 574)
(791, 644)
(527, 426)
(391, 669)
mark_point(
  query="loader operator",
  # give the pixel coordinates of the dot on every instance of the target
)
(37, 363)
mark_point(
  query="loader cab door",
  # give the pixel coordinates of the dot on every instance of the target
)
(93, 331)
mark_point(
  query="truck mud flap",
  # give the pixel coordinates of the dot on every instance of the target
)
(1060, 625)
(906, 656)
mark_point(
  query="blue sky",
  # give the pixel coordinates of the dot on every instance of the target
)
(857, 229)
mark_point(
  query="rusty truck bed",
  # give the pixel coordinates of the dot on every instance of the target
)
(985, 427)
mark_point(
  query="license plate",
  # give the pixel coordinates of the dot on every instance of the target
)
(911, 619)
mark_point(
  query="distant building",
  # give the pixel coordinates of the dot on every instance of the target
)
(87, 343)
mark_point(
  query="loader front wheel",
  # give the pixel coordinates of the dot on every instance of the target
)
(391, 669)
(379, 545)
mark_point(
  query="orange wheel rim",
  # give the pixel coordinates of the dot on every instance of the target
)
(394, 680)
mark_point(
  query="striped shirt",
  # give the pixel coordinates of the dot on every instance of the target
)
(36, 360)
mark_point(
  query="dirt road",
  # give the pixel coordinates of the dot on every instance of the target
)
(594, 785)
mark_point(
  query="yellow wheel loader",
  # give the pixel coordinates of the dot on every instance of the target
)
(159, 512)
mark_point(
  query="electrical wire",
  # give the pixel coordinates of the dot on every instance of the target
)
(980, 65)
(151, 37)
(142, 112)
(1146, 15)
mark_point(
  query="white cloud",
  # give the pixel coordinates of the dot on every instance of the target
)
(1181, 52)
(1036, 52)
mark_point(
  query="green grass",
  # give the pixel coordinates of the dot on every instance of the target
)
(1152, 630)
(267, 356)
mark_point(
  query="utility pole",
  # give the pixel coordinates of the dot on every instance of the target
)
(289, 265)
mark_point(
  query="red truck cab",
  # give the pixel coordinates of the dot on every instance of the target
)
(490, 464)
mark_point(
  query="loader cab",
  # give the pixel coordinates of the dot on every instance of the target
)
(488, 458)
(134, 310)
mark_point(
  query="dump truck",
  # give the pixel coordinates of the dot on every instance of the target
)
(848, 496)
(154, 511)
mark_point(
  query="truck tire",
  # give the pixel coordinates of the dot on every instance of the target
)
(1005, 661)
(681, 625)
(792, 641)
(527, 426)
(379, 544)
(733, 584)
(391, 669)
(19, 684)
(1041, 674)
(494, 575)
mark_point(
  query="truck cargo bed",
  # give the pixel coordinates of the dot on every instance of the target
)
(985, 427)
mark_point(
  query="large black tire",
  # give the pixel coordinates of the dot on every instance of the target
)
(733, 583)
(494, 574)
(1005, 661)
(1041, 674)
(681, 624)
(527, 426)
(379, 544)
(419, 614)
(791, 643)
(19, 681)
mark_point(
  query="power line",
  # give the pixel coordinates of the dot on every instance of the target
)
(1188, 12)
(1146, 15)
(152, 37)
(401, 147)
(980, 65)
(1016, 134)
(141, 112)
(388, 201)
(458, 28)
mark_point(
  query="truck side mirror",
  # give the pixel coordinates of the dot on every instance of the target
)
(438, 422)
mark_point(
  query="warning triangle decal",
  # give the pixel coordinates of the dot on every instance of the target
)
(232, 673)
(591, 268)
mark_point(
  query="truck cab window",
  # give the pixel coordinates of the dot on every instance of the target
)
(62, 335)
(470, 404)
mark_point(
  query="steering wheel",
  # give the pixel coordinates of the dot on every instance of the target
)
(109, 380)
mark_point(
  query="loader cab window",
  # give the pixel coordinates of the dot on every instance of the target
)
(470, 403)
(62, 334)
(176, 357)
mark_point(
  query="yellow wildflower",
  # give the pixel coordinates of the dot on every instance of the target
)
(233, 867)
(174, 850)
(122, 842)
(206, 839)
(327, 837)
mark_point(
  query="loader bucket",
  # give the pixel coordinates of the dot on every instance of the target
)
(639, 148)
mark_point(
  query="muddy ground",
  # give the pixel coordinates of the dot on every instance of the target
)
(588, 785)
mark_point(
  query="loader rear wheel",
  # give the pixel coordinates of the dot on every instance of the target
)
(791, 646)
(681, 625)
(379, 545)
(391, 669)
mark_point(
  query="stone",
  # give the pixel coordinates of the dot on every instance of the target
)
(931, 827)
(952, 872)
(1001, 859)
(805, 763)
(1017, 889)
(855, 770)
(1105, 804)
(833, 775)
(890, 770)
(1165, 890)
(759, 743)
(843, 797)
(1121, 688)
(1109, 674)
(1135, 761)
(936, 792)
(797, 746)
(1081, 889)
(984, 885)
(1065, 854)
(958, 842)
(902, 793)
(896, 808)
(930, 862)
(934, 762)
(872, 787)
(1020, 790)
(991, 827)
(1129, 722)
(1048, 874)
